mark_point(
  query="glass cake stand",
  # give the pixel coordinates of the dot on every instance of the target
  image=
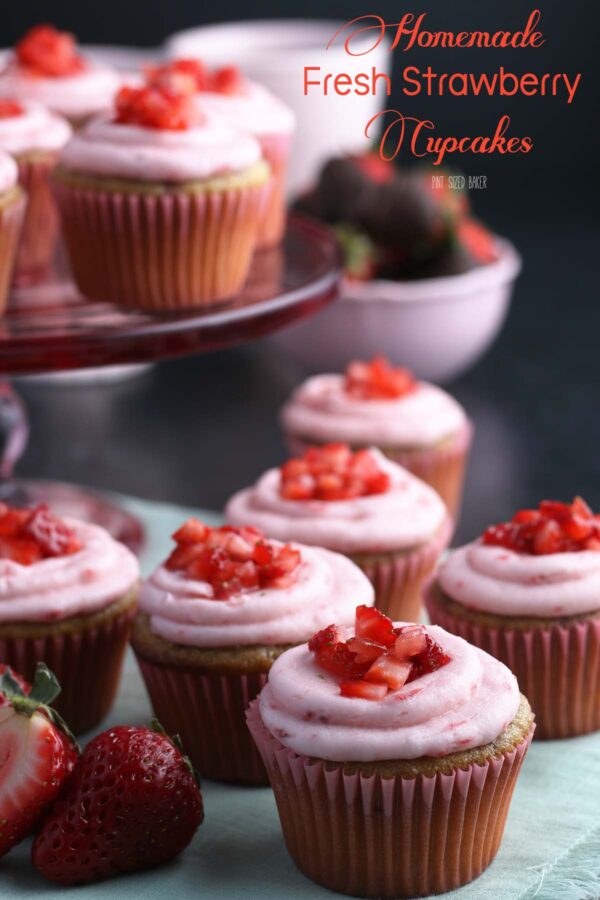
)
(50, 328)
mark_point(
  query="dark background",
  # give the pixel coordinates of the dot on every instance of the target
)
(192, 431)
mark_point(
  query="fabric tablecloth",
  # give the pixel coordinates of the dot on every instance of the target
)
(550, 851)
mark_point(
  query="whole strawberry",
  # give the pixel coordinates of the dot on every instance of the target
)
(37, 753)
(133, 802)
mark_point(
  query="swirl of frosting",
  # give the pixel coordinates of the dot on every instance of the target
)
(60, 587)
(252, 109)
(466, 703)
(327, 588)
(104, 147)
(408, 514)
(74, 96)
(8, 172)
(499, 581)
(36, 128)
(322, 410)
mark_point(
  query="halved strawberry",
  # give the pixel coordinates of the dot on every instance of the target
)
(392, 671)
(372, 625)
(366, 690)
(411, 641)
(37, 753)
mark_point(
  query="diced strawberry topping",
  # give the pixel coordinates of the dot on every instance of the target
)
(47, 52)
(154, 107)
(29, 535)
(9, 109)
(232, 560)
(227, 80)
(378, 380)
(332, 472)
(379, 658)
(552, 528)
(191, 76)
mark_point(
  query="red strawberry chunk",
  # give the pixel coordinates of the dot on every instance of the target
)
(366, 651)
(29, 535)
(365, 690)
(552, 528)
(373, 625)
(434, 657)
(227, 80)
(158, 108)
(45, 51)
(9, 109)
(332, 472)
(378, 380)
(181, 76)
(393, 672)
(411, 641)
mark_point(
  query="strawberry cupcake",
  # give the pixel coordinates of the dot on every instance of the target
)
(528, 592)
(46, 68)
(160, 207)
(12, 203)
(393, 751)
(390, 523)
(68, 593)
(212, 620)
(416, 424)
(35, 137)
(227, 96)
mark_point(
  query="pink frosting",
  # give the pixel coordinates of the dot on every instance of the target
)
(63, 586)
(410, 513)
(104, 147)
(8, 172)
(253, 109)
(322, 410)
(327, 589)
(74, 96)
(500, 581)
(35, 129)
(466, 703)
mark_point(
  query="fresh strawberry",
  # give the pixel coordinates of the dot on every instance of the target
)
(232, 560)
(334, 654)
(378, 380)
(433, 658)
(29, 535)
(9, 109)
(393, 672)
(365, 690)
(158, 108)
(552, 528)
(332, 472)
(50, 53)
(411, 641)
(372, 625)
(133, 802)
(361, 256)
(37, 753)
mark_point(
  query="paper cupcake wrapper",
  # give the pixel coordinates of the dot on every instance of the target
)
(398, 579)
(87, 664)
(11, 220)
(374, 836)
(557, 666)
(276, 151)
(160, 252)
(40, 232)
(208, 713)
(441, 467)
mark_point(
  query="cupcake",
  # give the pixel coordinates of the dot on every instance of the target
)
(12, 203)
(391, 524)
(160, 207)
(528, 592)
(67, 596)
(35, 137)
(393, 751)
(46, 67)
(226, 95)
(416, 424)
(212, 620)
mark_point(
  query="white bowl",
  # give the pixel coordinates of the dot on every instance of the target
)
(438, 327)
(275, 53)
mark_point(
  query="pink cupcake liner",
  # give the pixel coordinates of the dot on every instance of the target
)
(40, 232)
(375, 836)
(160, 252)
(87, 664)
(208, 713)
(11, 220)
(398, 578)
(276, 151)
(557, 666)
(441, 467)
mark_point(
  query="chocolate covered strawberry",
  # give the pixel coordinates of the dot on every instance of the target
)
(553, 527)
(332, 472)
(37, 753)
(133, 802)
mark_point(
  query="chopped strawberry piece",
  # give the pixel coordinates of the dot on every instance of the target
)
(30, 535)
(232, 560)
(372, 625)
(181, 76)
(227, 80)
(332, 472)
(152, 107)
(334, 655)
(393, 672)
(552, 528)
(433, 658)
(366, 651)
(411, 641)
(47, 52)
(378, 380)
(9, 109)
(365, 690)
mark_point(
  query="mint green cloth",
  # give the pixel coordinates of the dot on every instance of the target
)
(550, 851)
